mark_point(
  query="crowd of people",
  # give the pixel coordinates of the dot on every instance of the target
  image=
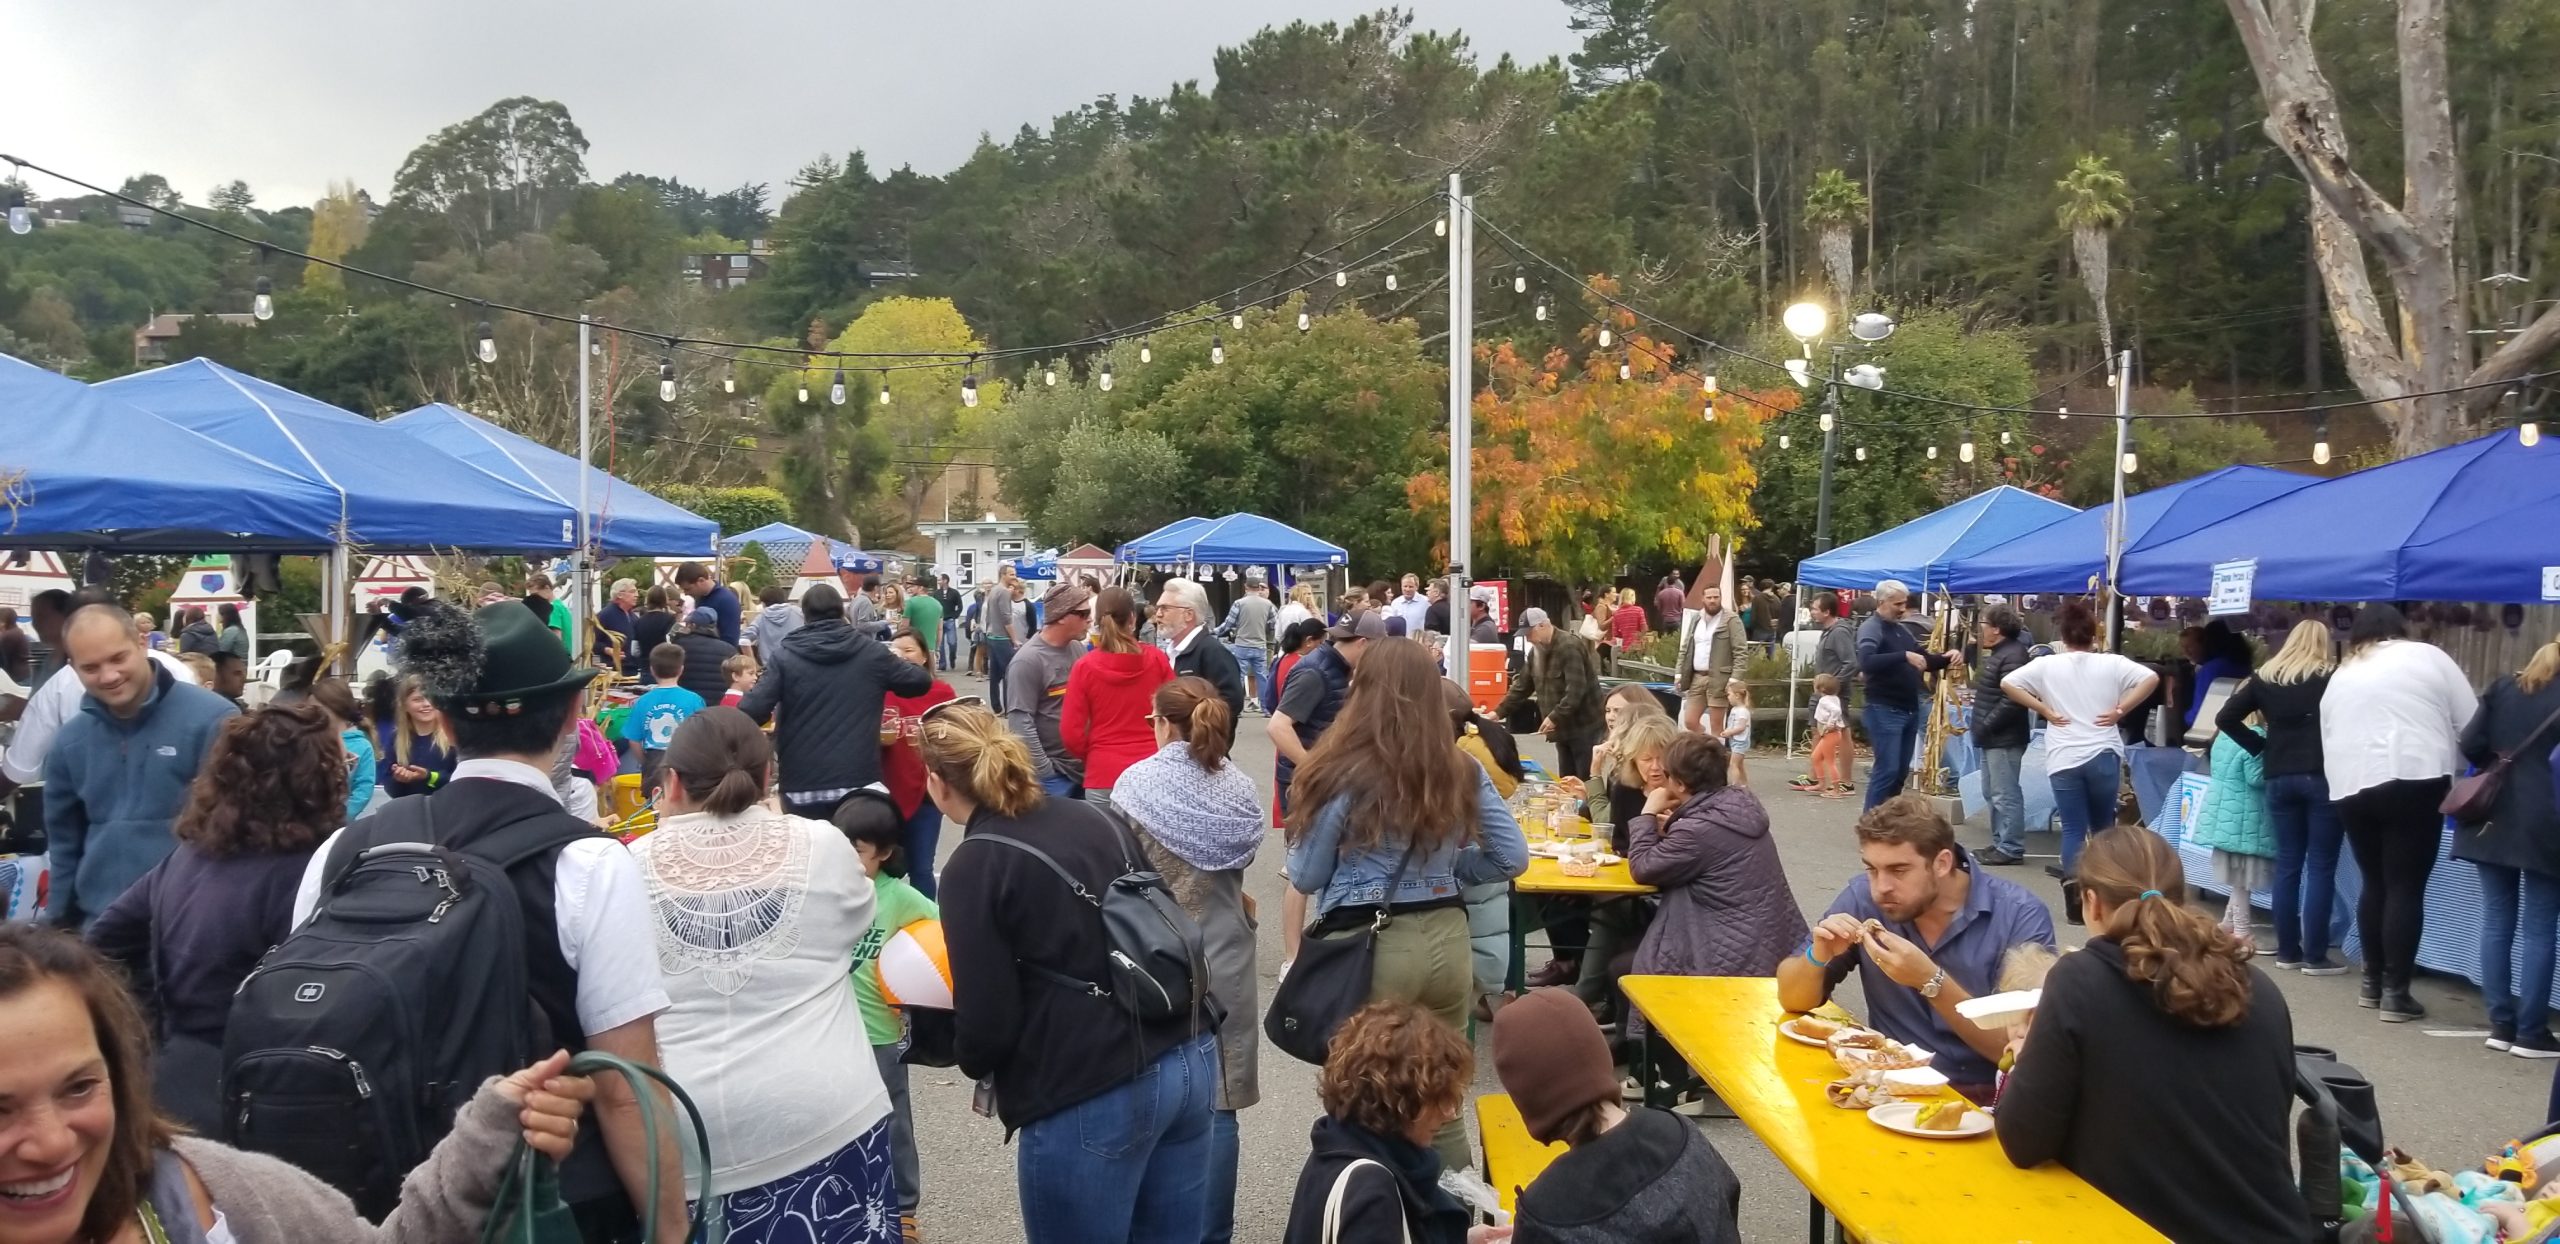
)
(802, 760)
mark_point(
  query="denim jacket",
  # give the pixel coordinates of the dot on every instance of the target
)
(1320, 865)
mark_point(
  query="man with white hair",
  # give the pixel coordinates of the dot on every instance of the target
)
(1562, 677)
(618, 623)
(1889, 655)
(1182, 614)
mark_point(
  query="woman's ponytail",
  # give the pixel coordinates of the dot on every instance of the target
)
(1200, 718)
(970, 749)
(2198, 972)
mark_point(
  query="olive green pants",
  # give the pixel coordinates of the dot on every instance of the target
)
(1425, 958)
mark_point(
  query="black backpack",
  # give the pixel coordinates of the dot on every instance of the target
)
(356, 1040)
(1159, 961)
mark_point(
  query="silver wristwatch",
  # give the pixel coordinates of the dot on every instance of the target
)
(1937, 981)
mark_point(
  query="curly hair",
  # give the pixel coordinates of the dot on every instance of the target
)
(275, 781)
(2198, 972)
(1389, 1064)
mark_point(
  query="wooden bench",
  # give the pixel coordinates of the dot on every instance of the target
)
(1512, 1160)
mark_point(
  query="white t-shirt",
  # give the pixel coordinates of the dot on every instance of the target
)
(757, 919)
(1828, 715)
(51, 705)
(599, 906)
(1737, 728)
(2394, 712)
(2080, 686)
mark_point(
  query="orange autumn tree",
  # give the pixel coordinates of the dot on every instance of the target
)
(1578, 472)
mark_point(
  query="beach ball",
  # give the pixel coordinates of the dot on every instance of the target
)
(915, 969)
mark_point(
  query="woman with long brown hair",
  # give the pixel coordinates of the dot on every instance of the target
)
(273, 787)
(1388, 817)
(2160, 1027)
(90, 1158)
(1107, 719)
(1110, 1113)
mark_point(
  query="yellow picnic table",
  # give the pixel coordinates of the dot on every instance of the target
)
(1545, 876)
(1512, 1158)
(1883, 1187)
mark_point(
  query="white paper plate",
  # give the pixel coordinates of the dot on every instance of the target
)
(1994, 1010)
(1898, 1116)
(1788, 1030)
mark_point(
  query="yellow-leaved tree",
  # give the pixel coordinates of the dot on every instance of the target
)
(338, 225)
(870, 463)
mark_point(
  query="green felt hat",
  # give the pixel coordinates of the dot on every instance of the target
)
(521, 663)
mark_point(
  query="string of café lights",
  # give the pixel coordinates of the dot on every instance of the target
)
(1233, 307)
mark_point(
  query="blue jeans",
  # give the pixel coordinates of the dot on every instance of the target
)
(1253, 663)
(1888, 731)
(924, 837)
(2084, 796)
(999, 658)
(2521, 1003)
(950, 649)
(1222, 1178)
(1130, 1166)
(1053, 784)
(2008, 804)
(2308, 917)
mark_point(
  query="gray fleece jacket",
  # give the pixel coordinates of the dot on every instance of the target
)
(268, 1201)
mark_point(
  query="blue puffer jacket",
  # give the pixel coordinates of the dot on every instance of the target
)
(2234, 815)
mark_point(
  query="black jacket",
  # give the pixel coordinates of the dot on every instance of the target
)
(703, 655)
(1208, 658)
(623, 625)
(199, 637)
(1403, 1202)
(190, 930)
(827, 682)
(1653, 1179)
(2198, 1143)
(2524, 829)
(1882, 649)
(650, 628)
(1998, 721)
(2291, 743)
(1047, 1045)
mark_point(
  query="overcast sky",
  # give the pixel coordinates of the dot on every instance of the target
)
(288, 96)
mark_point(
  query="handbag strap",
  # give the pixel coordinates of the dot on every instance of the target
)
(2526, 743)
(1342, 1185)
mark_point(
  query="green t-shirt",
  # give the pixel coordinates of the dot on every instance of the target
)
(560, 623)
(897, 905)
(925, 614)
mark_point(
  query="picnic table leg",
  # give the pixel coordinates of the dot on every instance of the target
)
(1515, 975)
(1815, 1219)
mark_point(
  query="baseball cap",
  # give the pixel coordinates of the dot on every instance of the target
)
(1530, 618)
(1366, 624)
(702, 617)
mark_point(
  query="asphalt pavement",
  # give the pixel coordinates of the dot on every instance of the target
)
(2444, 1097)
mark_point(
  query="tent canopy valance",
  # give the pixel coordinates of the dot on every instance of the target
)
(85, 470)
(624, 519)
(2066, 556)
(396, 492)
(2469, 522)
(1919, 552)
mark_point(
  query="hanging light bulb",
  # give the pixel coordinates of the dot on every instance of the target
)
(1605, 337)
(1827, 422)
(1049, 376)
(836, 391)
(263, 306)
(1304, 323)
(1341, 277)
(969, 390)
(1964, 451)
(1519, 285)
(884, 386)
(595, 347)
(666, 377)
(1933, 453)
(1217, 351)
(2066, 412)
(2132, 462)
(21, 220)
(2320, 443)
(1236, 321)
(1440, 227)
(1104, 378)
(488, 342)
(1710, 384)
(1391, 282)
(1862, 453)
(1146, 353)
(2528, 434)
(1541, 312)
(1784, 441)
(1711, 408)
(2004, 436)
(1626, 370)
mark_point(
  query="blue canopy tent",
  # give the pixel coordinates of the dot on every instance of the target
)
(1919, 552)
(2453, 524)
(1160, 537)
(625, 520)
(394, 491)
(789, 546)
(2066, 556)
(1236, 540)
(88, 471)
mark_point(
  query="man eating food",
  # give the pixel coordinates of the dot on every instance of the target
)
(1925, 931)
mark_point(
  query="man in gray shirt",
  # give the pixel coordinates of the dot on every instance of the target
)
(1247, 631)
(997, 619)
(1035, 686)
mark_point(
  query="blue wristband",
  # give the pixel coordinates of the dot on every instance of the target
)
(1808, 957)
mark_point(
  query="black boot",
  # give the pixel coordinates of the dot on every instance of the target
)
(2071, 902)
(2397, 1006)
(2369, 994)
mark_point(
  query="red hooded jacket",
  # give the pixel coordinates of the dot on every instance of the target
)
(1104, 720)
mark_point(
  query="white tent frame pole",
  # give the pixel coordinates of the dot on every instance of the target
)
(2112, 601)
(582, 592)
(1462, 299)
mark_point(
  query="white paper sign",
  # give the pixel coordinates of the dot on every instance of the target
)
(2551, 583)
(2231, 582)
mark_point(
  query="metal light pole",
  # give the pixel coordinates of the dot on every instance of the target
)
(1462, 285)
(581, 566)
(2114, 603)
(1830, 454)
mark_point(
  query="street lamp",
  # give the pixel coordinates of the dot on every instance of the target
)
(1807, 322)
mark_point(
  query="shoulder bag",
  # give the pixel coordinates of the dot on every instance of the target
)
(527, 1208)
(2474, 797)
(1327, 982)
(1342, 1185)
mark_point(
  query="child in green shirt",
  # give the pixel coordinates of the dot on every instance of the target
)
(870, 818)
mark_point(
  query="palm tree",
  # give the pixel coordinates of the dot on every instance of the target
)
(1835, 206)
(2094, 203)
